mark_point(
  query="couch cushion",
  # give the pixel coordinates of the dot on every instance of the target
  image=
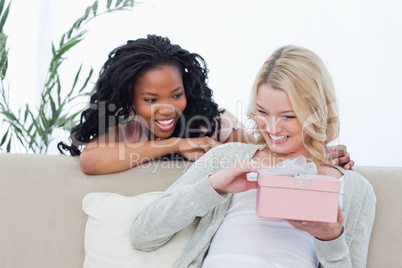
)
(107, 241)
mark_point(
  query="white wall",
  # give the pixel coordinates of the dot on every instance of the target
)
(358, 40)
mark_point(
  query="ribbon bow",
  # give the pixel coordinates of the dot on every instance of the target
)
(297, 167)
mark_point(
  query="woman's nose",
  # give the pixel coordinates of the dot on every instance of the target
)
(165, 109)
(274, 125)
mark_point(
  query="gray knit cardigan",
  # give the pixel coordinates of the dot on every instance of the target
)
(192, 197)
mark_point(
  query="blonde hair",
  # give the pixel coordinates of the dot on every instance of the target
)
(302, 74)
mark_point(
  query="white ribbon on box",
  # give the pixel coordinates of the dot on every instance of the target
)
(292, 167)
(297, 167)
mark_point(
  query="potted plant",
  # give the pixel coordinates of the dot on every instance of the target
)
(32, 127)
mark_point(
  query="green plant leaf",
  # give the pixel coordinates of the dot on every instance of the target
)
(26, 112)
(58, 91)
(61, 41)
(4, 17)
(44, 120)
(84, 86)
(9, 115)
(70, 121)
(95, 7)
(3, 55)
(17, 129)
(4, 137)
(129, 3)
(9, 145)
(118, 3)
(53, 73)
(76, 77)
(87, 11)
(2, 3)
(69, 33)
(52, 105)
(78, 23)
(53, 50)
(60, 121)
(17, 132)
(30, 128)
(71, 43)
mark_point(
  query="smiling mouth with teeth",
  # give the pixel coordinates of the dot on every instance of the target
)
(278, 138)
(165, 125)
(165, 122)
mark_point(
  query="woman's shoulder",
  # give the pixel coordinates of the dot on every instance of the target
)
(330, 171)
(356, 183)
(133, 131)
(351, 174)
(228, 118)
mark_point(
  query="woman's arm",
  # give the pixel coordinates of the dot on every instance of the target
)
(240, 135)
(108, 154)
(202, 188)
(351, 248)
(233, 130)
(332, 248)
(337, 253)
(191, 196)
(171, 213)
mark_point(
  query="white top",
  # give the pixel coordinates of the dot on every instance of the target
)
(246, 240)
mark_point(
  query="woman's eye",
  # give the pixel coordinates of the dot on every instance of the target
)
(288, 117)
(150, 100)
(178, 95)
(261, 112)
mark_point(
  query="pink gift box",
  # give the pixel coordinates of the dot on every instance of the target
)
(309, 198)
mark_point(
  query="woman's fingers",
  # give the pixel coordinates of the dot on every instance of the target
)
(322, 230)
(339, 155)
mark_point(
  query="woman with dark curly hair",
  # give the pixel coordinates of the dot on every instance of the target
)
(151, 100)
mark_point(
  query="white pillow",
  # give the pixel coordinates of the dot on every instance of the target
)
(107, 241)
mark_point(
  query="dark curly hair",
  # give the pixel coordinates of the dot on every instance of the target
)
(114, 88)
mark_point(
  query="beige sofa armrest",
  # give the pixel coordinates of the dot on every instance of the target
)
(386, 240)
